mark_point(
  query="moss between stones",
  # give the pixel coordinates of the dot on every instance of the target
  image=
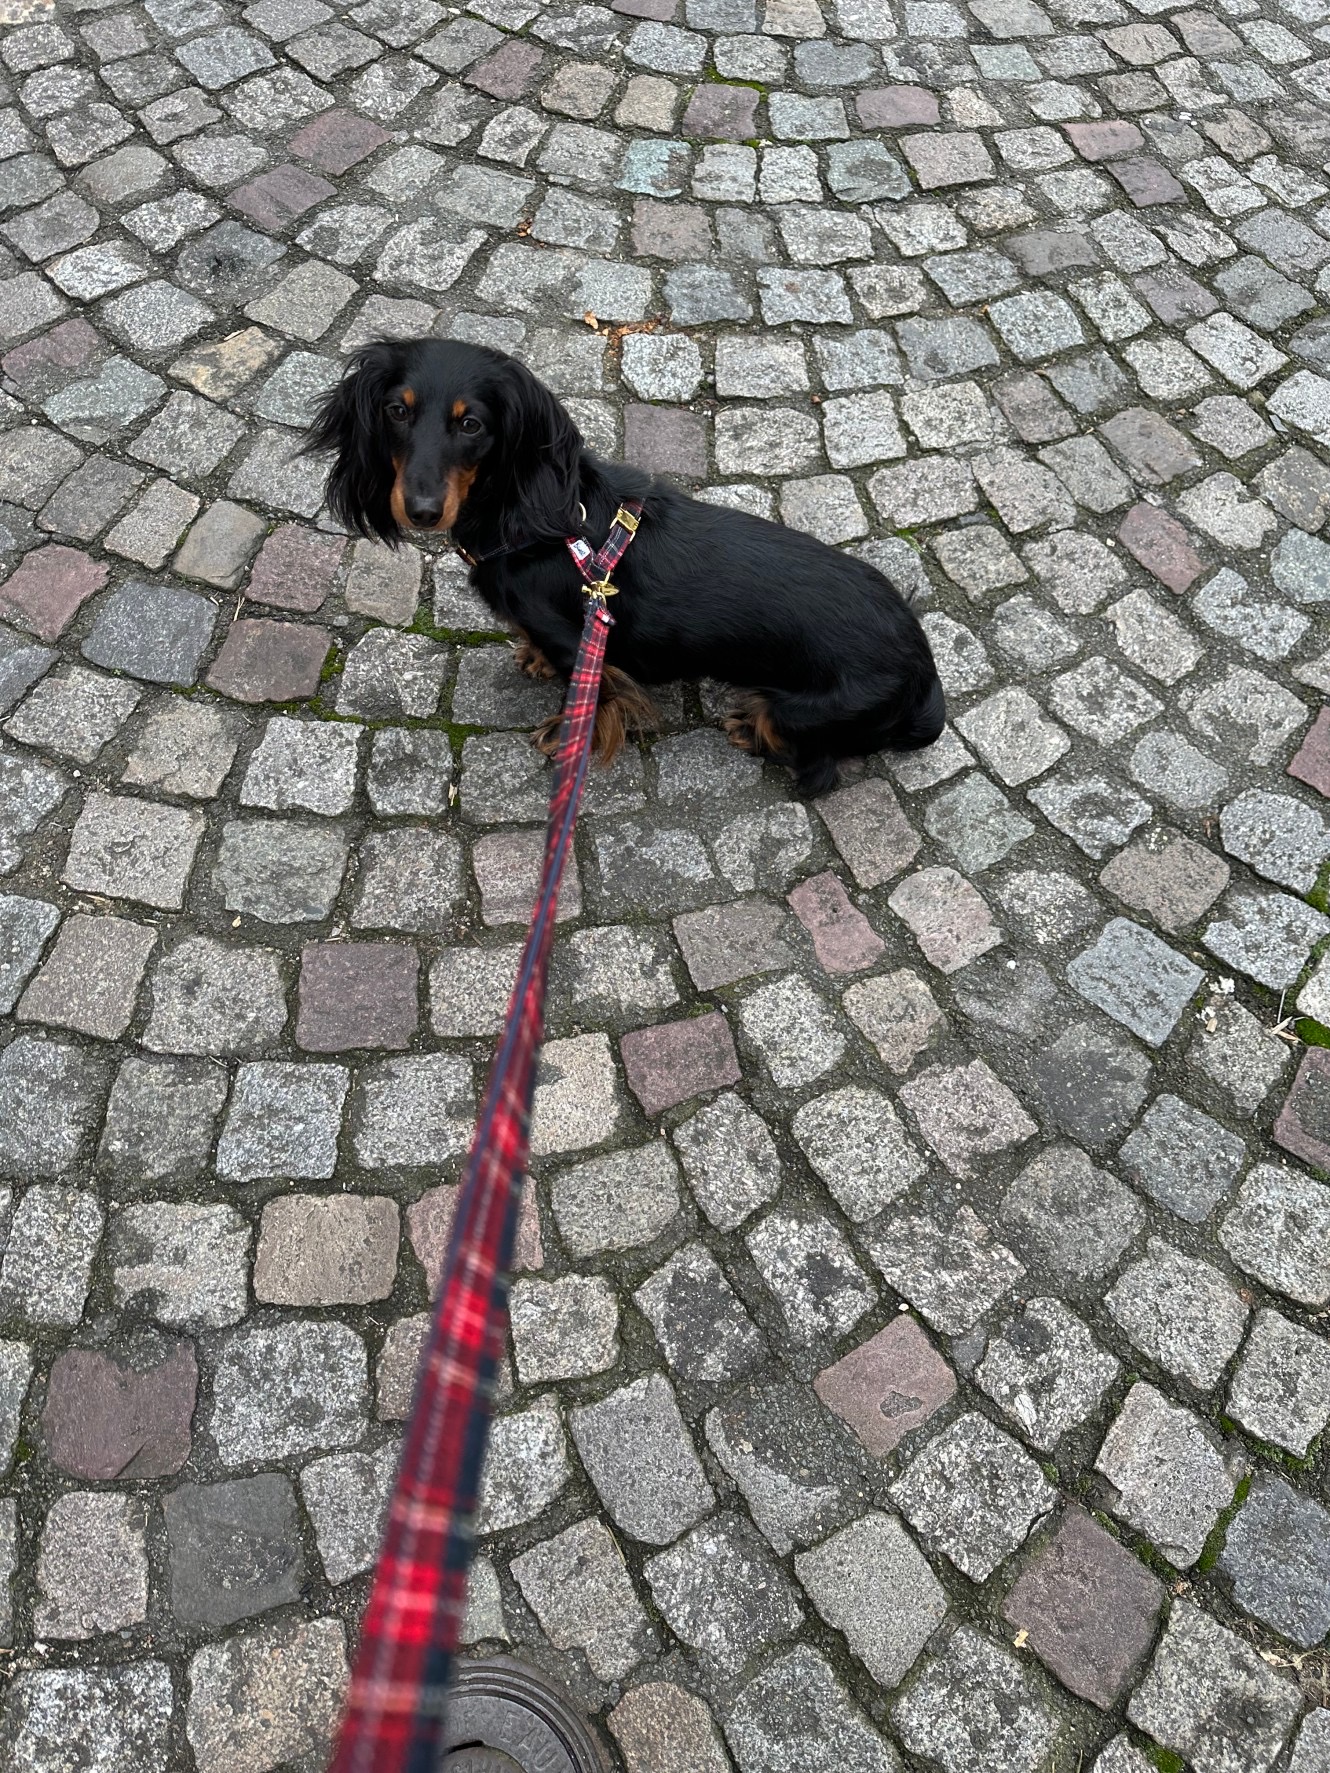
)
(455, 636)
(1154, 1559)
(1277, 1455)
(711, 78)
(1219, 1532)
(1319, 896)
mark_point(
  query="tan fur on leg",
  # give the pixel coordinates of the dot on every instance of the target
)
(611, 731)
(545, 738)
(640, 712)
(624, 707)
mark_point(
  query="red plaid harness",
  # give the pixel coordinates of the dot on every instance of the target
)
(412, 1625)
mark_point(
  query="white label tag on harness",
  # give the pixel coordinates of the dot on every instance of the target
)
(580, 550)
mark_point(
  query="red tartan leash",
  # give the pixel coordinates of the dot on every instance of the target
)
(412, 1625)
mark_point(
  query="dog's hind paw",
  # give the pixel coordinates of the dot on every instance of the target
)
(739, 731)
(749, 727)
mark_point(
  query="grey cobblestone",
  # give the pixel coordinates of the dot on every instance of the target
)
(1069, 1215)
(1275, 1229)
(187, 1263)
(723, 1594)
(314, 1379)
(525, 1468)
(1276, 1552)
(112, 1717)
(563, 1329)
(1046, 1371)
(764, 1437)
(280, 871)
(703, 1330)
(53, 1236)
(347, 1496)
(210, 998)
(132, 849)
(1281, 1390)
(233, 1549)
(729, 1159)
(1200, 1671)
(1183, 1313)
(973, 1494)
(640, 1458)
(950, 1267)
(579, 1588)
(798, 1702)
(811, 1271)
(283, 1119)
(1012, 1727)
(298, 1673)
(1151, 1436)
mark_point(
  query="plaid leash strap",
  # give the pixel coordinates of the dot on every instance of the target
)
(412, 1625)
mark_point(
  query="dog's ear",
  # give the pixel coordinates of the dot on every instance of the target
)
(349, 423)
(542, 448)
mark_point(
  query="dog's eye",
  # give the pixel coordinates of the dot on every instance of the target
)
(397, 412)
(470, 424)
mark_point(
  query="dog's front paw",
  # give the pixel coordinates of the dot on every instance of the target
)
(532, 662)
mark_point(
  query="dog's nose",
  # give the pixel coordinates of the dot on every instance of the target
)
(424, 513)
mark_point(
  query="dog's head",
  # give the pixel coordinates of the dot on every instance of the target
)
(424, 427)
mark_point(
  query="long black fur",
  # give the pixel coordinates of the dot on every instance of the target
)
(837, 657)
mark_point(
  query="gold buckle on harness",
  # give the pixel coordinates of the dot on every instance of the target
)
(627, 519)
(603, 589)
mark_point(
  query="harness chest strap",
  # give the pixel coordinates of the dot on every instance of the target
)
(595, 567)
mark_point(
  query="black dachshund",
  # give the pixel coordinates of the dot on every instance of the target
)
(433, 434)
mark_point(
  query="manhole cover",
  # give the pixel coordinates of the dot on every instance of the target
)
(506, 1718)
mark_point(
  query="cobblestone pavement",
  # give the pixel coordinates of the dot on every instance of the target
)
(918, 1355)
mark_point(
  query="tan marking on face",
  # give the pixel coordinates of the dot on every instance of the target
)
(408, 397)
(459, 409)
(396, 499)
(459, 484)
